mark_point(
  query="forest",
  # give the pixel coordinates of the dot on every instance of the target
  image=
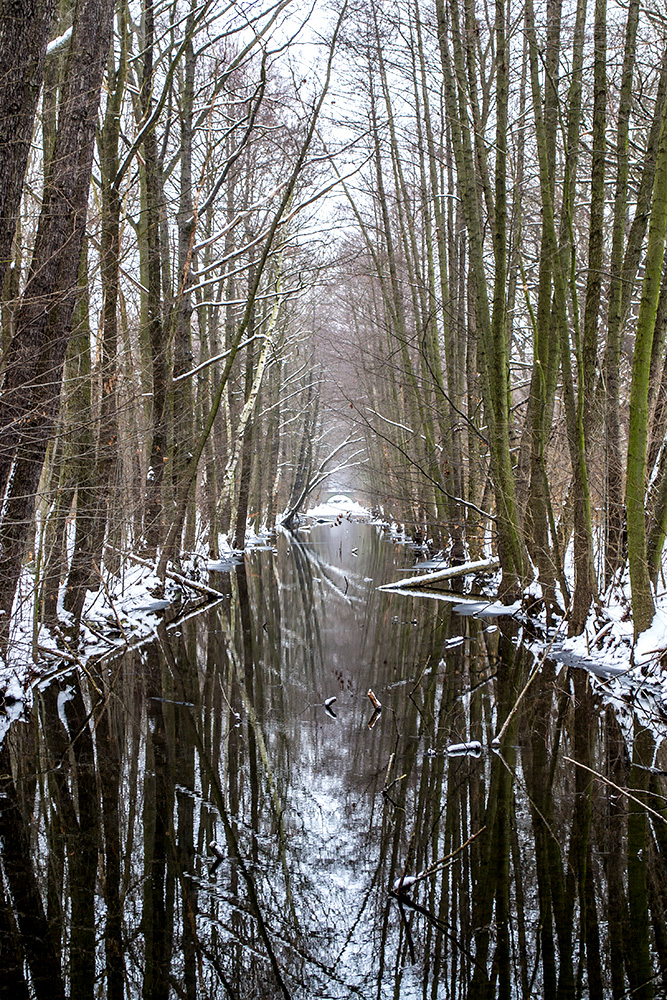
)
(416, 248)
(255, 254)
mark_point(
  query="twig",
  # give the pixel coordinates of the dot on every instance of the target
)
(78, 661)
(203, 588)
(57, 653)
(432, 869)
(111, 603)
(405, 883)
(387, 788)
(617, 788)
(538, 667)
(416, 685)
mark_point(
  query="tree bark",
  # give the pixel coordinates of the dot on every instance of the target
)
(492, 334)
(24, 33)
(93, 499)
(31, 387)
(154, 519)
(643, 606)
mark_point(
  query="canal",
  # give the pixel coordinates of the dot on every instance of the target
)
(223, 812)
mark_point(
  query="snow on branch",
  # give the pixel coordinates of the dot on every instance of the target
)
(59, 43)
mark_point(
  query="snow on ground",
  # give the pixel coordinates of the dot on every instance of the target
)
(632, 676)
(625, 674)
(651, 645)
(338, 506)
(128, 608)
(487, 609)
(125, 611)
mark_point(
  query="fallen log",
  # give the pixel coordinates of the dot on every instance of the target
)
(425, 579)
(185, 581)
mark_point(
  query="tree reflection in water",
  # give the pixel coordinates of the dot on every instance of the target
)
(534, 876)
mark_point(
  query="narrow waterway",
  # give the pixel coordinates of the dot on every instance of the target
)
(223, 813)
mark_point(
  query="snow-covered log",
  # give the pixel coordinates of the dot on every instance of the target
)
(425, 579)
(472, 747)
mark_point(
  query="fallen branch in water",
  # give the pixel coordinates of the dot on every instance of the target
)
(450, 573)
(473, 747)
(71, 655)
(374, 702)
(406, 882)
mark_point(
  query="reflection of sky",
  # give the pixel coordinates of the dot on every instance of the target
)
(336, 766)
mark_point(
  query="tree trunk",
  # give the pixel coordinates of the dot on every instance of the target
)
(643, 607)
(492, 335)
(24, 32)
(153, 519)
(93, 500)
(31, 388)
(615, 507)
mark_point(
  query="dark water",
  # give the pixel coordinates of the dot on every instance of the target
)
(537, 879)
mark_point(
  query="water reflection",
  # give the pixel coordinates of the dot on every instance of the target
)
(192, 820)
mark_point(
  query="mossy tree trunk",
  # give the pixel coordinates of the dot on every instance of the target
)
(643, 606)
(492, 331)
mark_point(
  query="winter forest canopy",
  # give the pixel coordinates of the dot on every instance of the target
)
(414, 248)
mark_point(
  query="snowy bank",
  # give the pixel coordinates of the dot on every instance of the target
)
(337, 507)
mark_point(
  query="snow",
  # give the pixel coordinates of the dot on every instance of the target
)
(60, 42)
(455, 640)
(16, 702)
(217, 849)
(627, 674)
(404, 883)
(63, 697)
(222, 565)
(652, 644)
(472, 748)
(139, 603)
(128, 609)
(468, 569)
(487, 609)
(619, 667)
(123, 612)
(339, 505)
(497, 609)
